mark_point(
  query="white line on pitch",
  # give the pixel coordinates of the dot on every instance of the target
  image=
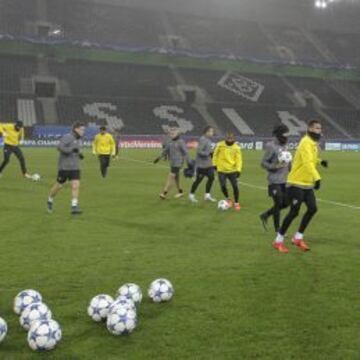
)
(336, 203)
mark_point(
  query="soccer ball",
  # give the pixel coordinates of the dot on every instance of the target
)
(33, 312)
(121, 321)
(44, 335)
(285, 157)
(123, 301)
(223, 205)
(3, 329)
(131, 291)
(25, 298)
(98, 308)
(161, 290)
(35, 177)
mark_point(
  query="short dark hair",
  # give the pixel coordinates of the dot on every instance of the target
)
(77, 124)
(19, 123)
(102, 128)
(206, 129)
(313, 122)
(230, 133)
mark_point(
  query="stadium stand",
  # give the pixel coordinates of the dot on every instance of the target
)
(343, 45)
(114, 80)
(106, 24)
(271, 90)
(138, 116)
(292, 39)
(328, 96)
(12, 69)
(15, 14)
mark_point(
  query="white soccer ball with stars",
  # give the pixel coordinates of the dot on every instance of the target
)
(3, 329)
(161, 290)
(25, 298)
(44, 335)
(285, 157)
(123, 301)
(121, 321)
(131, 291)
(99, 306)
(33, 312)
(223, 205)
(35, 177)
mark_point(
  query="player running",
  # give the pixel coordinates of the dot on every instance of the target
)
(69, 167)
(227, 159)
(104, 147)
(176, 151)
(13, 135)
(302, 180)
(277, 175)
(204, 166)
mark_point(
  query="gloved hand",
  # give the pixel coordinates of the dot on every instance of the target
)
(156, 160)
(324, 163)
(76, 151)
(237, 174)
(81, 156)
(317, 185)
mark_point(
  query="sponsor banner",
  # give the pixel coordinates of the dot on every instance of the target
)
(332, 146)
(342, 146)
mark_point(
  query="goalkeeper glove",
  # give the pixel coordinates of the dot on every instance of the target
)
(317, 185)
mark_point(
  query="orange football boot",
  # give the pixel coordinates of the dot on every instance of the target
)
(301, 244)
(230, 203)
(237, 207)
(280, 247)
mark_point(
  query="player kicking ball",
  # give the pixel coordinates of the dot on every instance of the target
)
(204, 166)
(277, 175)
(176, 152)
(302, 180)
(104, 147)
(69, 167)
(227, 159)
(13, 135)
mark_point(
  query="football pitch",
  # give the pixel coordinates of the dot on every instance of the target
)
(235, 297)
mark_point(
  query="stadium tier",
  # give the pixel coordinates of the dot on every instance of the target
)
(292, 43)
(114, 80)
(107, 24)
(13, 69)
(142, 99)
(15, 15)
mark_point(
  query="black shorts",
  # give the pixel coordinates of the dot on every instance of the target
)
(275, 189)
(67, 175)
(175, 170)
(206, 171)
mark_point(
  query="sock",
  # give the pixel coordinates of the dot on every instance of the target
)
(74, 202)
(279, 238)
(50, 199)
(299, 236)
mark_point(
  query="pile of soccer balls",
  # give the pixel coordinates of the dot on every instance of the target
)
(3, 329)
(44, 333)
(121, 313)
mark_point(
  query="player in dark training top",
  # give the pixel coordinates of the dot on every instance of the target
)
(277, 175)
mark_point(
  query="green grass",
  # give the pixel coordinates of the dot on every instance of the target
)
(236, 298)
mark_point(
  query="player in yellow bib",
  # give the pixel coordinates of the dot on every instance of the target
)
(13, 135)
(104, 147)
